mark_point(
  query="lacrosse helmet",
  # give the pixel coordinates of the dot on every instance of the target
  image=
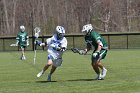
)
(87, 28)
(60, 31)
(22, 28)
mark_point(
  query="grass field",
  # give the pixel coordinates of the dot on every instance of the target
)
(74, 76)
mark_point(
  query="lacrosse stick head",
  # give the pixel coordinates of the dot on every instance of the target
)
(14, 45)
(75, 50)
(36, 32)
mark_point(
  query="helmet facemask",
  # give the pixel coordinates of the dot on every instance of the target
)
(87, 29)
(60, 31)
(60, 35)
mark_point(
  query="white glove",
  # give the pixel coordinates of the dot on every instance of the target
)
(17, 43)
(42, 44)
(27, 43)
(36, 35)
(96, 54)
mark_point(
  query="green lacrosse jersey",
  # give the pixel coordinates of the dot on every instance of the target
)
(22, 38)
(92, 38)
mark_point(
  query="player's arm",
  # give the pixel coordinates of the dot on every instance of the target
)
(84, 51)
(88, 47)
(27, 40)
(100, 45)
(41, 43)
(17, 40)
(63, 47)
(97, 52)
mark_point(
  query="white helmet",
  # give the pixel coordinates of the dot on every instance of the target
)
(87, 28)
(22, 28)
(60, 31)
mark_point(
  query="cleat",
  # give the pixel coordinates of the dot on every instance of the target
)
(40, 74)
(104, 71)
(49, 77)
(23, 58)
(99, 77)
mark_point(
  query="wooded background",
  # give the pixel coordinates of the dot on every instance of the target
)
(104, 15)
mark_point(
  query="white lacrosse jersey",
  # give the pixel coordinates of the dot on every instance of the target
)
(53, 41)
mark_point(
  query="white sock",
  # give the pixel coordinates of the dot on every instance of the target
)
(104, 68)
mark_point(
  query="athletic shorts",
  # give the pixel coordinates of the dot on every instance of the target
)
(102, 55)
(22, 46)
(56, 62)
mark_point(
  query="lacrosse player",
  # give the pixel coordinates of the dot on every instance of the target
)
(57, 44)
(94, 39)
(22, 41)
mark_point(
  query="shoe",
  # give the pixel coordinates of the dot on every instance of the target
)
(104, 71)
(49, 77)
(40, 74)
(99, 77)
(23, 58)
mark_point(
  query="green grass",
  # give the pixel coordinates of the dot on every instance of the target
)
(74, 76)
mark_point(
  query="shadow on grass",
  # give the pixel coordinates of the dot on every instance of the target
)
(83, 80)
(44, 81)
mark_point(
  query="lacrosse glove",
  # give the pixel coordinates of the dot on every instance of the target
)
(96, 55)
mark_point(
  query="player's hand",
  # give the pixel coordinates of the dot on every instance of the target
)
(37, 42)
(27, 44)
(16, 43)
(58, 48)
(96, 54)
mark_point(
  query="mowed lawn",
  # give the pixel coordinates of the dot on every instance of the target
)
(74, 76)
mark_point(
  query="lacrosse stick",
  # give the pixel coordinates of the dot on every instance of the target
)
(14, 45)
(80, 51)
(75, 50)
(36, 35)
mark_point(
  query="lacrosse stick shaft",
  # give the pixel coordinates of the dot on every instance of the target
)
(34, 56)
(36, 35)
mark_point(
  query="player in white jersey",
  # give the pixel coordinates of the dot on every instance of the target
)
(57, 44)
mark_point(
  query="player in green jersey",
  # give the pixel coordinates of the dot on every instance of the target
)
(22, 41)
(94, 39)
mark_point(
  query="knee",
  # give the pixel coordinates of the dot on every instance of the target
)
(94, 63)
(47, 65)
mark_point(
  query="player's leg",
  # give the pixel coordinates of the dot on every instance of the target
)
(96, 69)
(104, 70)
(51, 72)
(102, 56)
(22, 53)
(56, 63)
(49, 63)
(95, 65)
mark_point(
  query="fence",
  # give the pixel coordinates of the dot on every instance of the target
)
(115, 41)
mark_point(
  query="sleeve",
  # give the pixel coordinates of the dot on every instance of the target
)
(48, 41)
(97, 38)
(17, 39)
(64, 43)
(27, 39)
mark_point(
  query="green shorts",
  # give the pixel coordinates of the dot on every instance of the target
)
(22, 46)
(102, 55)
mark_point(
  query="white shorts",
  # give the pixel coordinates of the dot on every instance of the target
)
(56, 62)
